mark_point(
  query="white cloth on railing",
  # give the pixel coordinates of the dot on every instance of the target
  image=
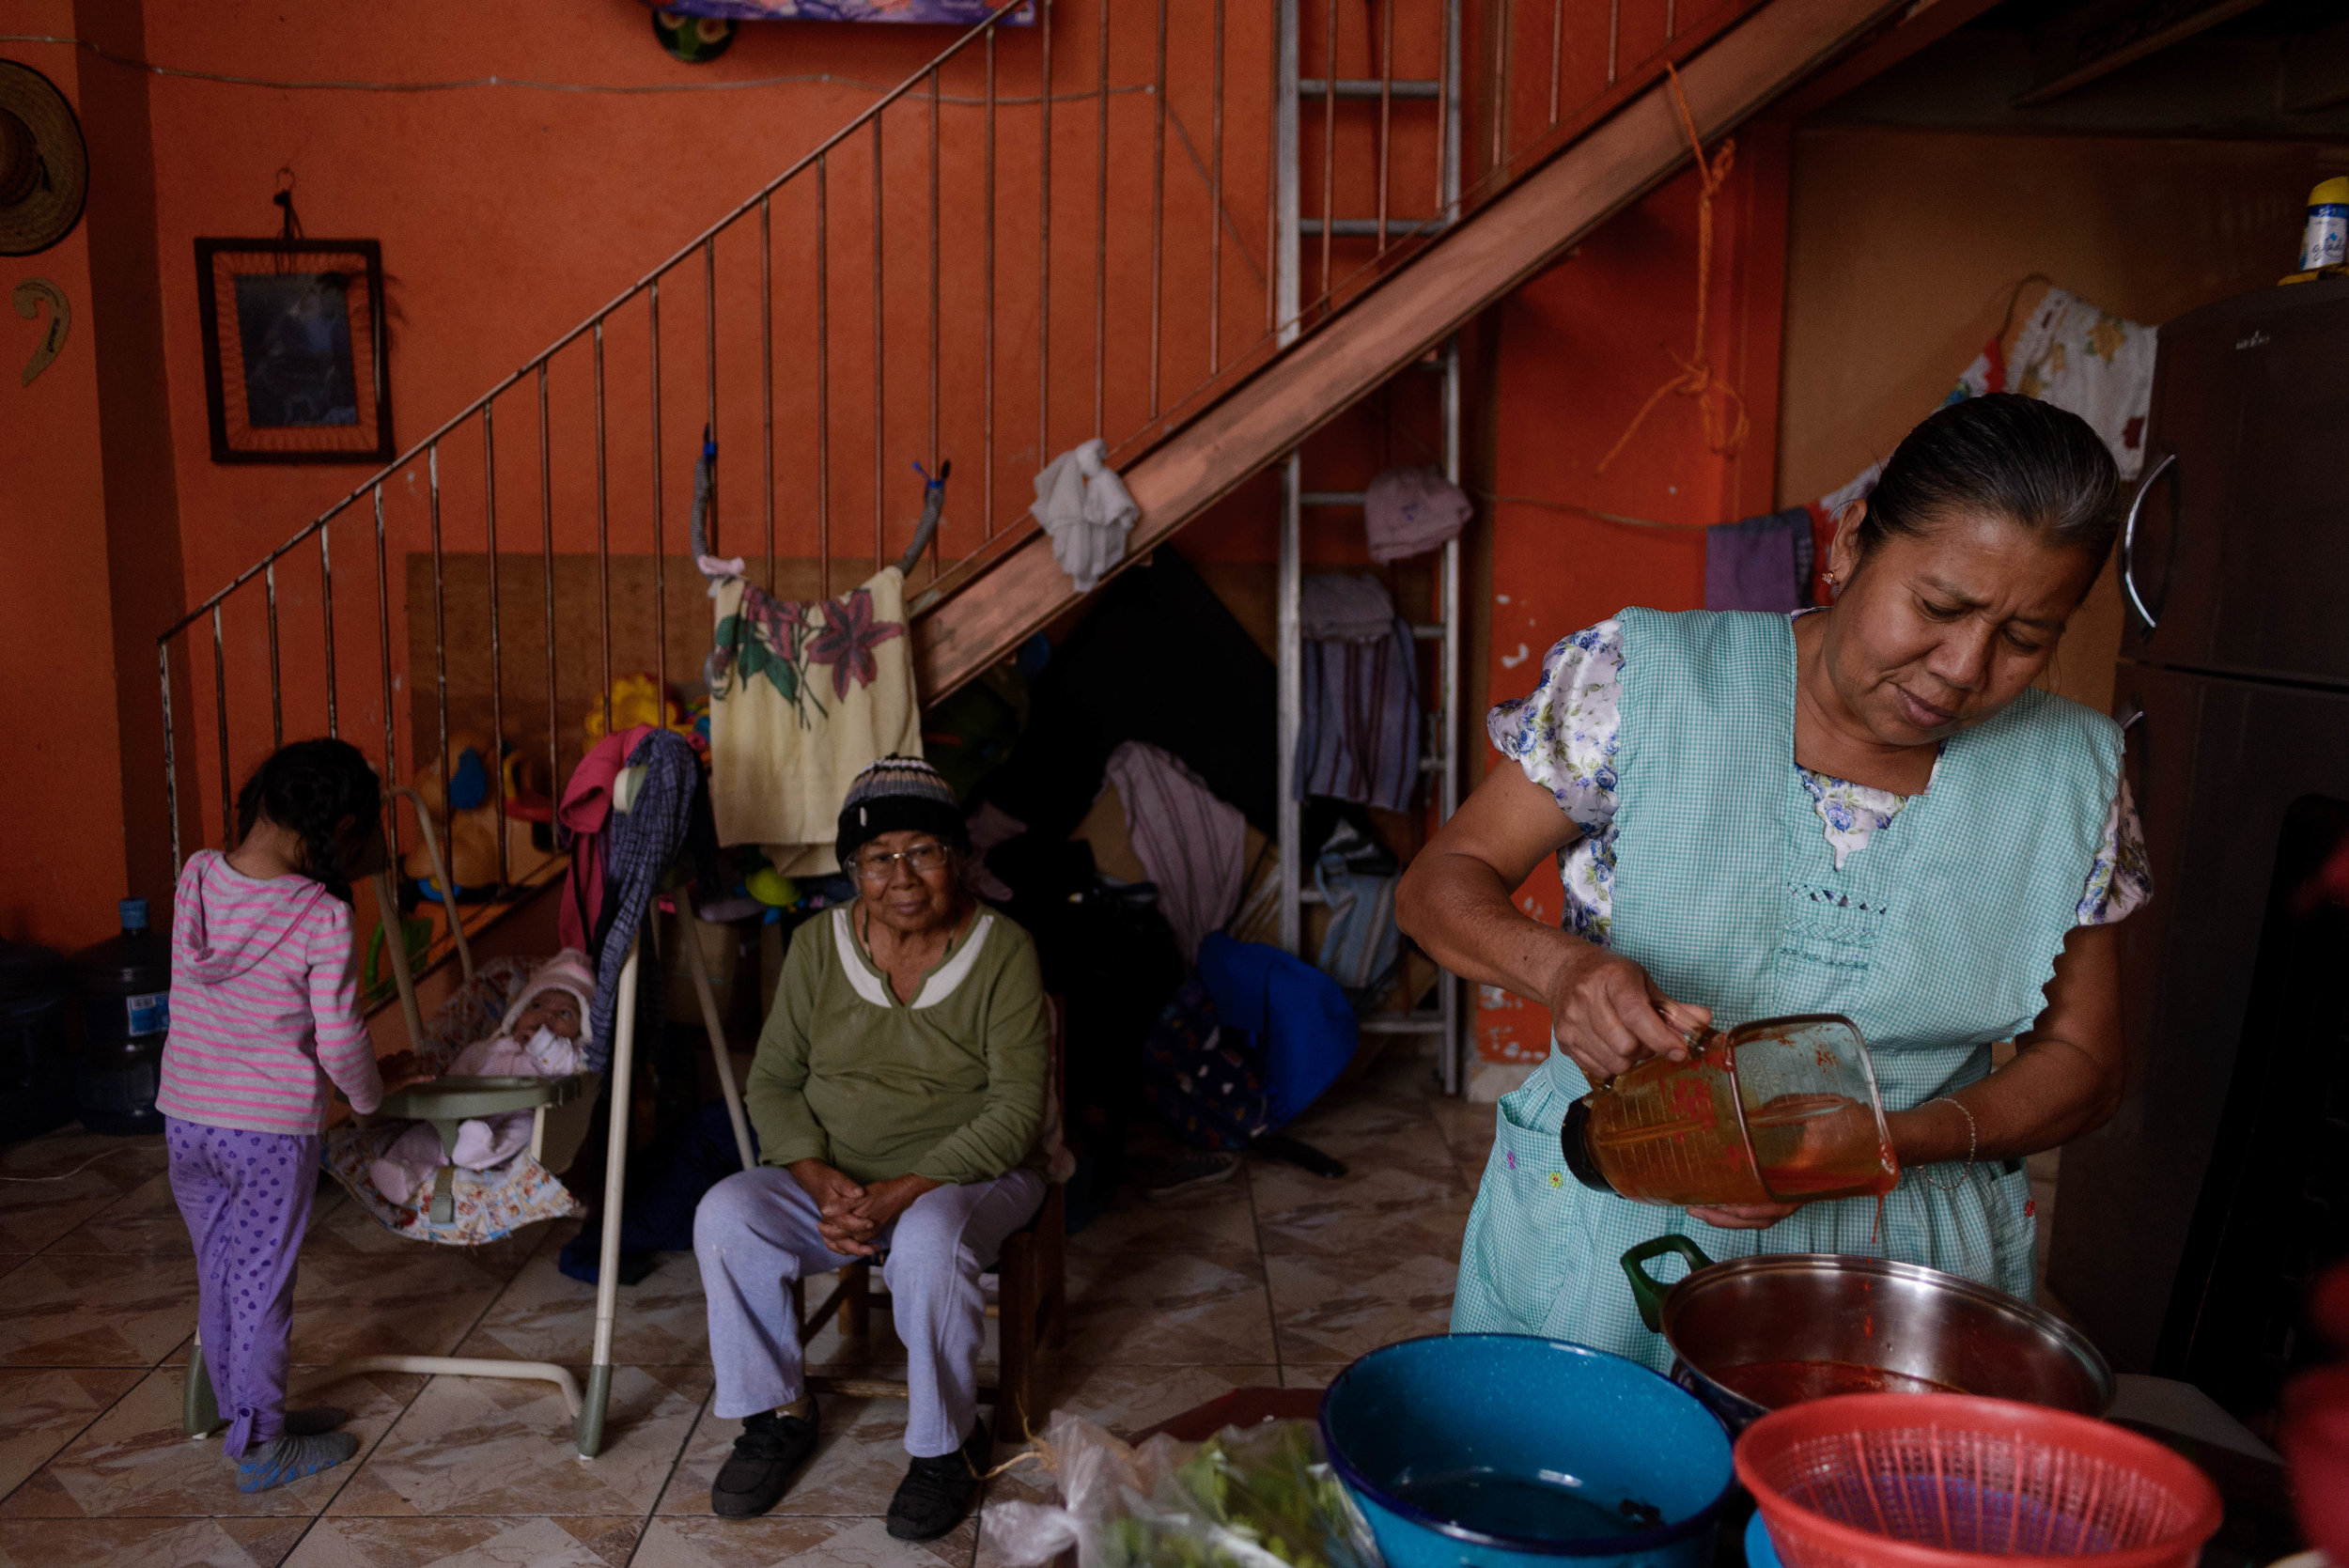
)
(1083, 506)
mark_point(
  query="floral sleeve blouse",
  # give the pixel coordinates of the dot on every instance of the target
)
(1564, 736)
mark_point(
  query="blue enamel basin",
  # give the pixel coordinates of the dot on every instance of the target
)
(1493, 1449)
(1760, 1552)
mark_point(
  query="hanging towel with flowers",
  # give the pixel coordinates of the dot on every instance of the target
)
(804, 697)
(2070, 354)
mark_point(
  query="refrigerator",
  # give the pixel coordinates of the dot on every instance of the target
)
(2188, 1229)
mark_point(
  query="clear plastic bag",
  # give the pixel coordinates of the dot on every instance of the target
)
(1256, 1496)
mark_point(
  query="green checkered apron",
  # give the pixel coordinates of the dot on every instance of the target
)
(1936, 939)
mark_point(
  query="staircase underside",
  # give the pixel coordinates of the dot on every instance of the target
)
(1583, 182)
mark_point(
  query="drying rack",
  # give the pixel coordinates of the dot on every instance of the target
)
(1440, 761)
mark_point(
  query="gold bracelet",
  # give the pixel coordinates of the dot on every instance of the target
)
(1973, 1144)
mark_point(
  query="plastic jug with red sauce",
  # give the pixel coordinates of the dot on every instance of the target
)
(1773, 1111)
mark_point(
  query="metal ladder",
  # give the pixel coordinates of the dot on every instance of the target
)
(1440, 741)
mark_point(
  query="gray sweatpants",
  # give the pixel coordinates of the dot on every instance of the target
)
(756, 1228)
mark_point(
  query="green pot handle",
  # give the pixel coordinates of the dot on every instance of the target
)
(1645, 1289)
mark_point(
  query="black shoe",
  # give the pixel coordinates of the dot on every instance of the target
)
(937, 1493)
(755, 1478)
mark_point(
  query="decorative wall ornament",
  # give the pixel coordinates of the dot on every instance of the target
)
(44, 167)
(957, 13)
(695, 39)
(295, 355)
(29, 297)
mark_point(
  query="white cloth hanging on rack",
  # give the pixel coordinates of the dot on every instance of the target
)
(1084, 506)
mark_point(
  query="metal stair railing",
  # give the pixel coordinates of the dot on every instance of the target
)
(822, 417)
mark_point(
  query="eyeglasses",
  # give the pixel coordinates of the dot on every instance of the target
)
(875, 865)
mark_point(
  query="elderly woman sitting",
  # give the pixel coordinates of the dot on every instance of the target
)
(898, 1093)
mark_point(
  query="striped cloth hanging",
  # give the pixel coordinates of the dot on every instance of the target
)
(1360, 740)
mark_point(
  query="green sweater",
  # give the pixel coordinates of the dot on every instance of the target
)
(950, 1087)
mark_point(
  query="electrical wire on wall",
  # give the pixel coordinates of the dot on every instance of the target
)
(460, 84)
(457, 84)
(1591, 512)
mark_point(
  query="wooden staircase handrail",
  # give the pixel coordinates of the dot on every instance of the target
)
(1582, 178)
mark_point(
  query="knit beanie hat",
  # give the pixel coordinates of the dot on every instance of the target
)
(568, 971)
(895, 793)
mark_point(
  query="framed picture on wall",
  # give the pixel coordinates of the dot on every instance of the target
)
(295, 369)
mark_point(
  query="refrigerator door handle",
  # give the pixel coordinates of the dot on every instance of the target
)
(2130, 720)
(2128, 543)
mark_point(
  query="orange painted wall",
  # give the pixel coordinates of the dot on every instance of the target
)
(1577, 350)
(61, 849)
(508, 213)
(1907, 246)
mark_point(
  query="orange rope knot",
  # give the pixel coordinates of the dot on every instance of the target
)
(1720, 406)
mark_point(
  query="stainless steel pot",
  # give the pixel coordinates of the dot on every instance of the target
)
(1894, 1317)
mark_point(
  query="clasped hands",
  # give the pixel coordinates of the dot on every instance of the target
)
(853, 1214)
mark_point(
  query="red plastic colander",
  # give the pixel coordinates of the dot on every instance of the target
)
(1943, 1481)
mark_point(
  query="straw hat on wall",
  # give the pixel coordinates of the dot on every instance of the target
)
(44, 168)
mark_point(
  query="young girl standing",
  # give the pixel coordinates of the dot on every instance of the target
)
(263, 1013)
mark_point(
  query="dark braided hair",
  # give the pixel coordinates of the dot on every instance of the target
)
(2042, 468)
(311, 788)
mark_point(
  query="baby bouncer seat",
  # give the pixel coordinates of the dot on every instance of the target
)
(471, 1208)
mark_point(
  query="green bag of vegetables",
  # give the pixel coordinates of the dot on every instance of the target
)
(1258, 1496)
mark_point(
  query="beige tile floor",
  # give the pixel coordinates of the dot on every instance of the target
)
(1276, 1277)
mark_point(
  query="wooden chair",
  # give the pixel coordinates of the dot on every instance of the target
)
(1030, 1299)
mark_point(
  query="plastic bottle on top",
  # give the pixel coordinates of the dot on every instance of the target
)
(2324, 242)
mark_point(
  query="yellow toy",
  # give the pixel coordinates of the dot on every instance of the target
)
(468, 816)
(636, 699)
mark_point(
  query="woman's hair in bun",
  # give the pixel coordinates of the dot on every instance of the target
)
(2040, 466)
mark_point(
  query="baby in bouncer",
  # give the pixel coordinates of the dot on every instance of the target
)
(540, 1037)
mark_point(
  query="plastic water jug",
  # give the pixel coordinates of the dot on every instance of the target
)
(125, 986)
(1777, 1110)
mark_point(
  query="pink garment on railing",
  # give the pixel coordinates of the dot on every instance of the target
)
(578, 821)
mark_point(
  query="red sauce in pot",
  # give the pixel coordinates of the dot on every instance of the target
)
(1774, 1385)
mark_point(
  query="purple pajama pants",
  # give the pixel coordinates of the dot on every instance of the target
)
(246, 1198)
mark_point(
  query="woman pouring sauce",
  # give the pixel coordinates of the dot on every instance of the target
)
(1866, 810)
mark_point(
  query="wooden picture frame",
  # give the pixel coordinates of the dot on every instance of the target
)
(296, 368)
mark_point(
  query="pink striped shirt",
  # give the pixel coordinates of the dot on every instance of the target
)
(263, 1004)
